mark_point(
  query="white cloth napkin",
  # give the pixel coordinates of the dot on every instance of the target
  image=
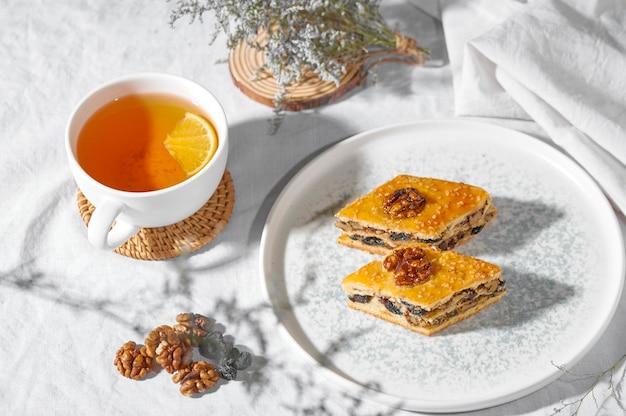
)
(561, 63)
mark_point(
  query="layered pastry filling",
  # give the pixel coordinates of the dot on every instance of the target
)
(454, 234)
(468, 300)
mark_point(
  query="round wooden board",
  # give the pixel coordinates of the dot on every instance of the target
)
(244, 62)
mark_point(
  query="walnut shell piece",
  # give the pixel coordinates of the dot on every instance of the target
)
(198, 377)
(404, 203)
(171, 350)
(409, 265)
(132, 361)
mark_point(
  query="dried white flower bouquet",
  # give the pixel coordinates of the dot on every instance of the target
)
(325, 36)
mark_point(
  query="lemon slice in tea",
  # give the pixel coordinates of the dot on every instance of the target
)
(192, 142)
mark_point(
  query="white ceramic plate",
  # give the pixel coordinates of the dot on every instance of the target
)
(556, 239)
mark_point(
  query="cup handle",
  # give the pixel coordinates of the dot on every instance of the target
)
(102, 233)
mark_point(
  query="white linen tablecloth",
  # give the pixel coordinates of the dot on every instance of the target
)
(66, 307)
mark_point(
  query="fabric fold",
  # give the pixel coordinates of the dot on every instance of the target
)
(560, 63)
(600, 164)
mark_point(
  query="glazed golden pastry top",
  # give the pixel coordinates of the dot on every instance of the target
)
(445, 203)
(452, 272)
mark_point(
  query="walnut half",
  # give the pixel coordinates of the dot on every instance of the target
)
(171, 350)
(192, 325)
(132, 361)
(404, 203)
(197, 378)
(409, 265)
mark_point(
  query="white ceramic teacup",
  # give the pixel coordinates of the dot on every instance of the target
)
(118, 215)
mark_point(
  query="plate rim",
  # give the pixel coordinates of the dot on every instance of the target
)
(437, 406)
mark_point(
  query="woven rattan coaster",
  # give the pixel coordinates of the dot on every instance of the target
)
(187, 235)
